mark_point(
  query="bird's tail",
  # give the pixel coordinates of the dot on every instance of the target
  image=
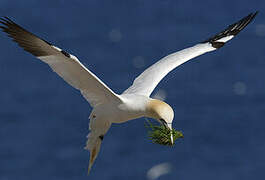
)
(93, 146)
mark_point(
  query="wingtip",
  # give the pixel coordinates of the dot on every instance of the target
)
(6, 21)
(256, 13)
(5, 18)
(253, 15)
(232, 30)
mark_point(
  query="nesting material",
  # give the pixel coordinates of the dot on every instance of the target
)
(161, 134)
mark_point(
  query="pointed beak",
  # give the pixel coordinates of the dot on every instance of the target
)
(169, 126)
(171, 133)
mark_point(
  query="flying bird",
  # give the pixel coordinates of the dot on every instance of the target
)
(109, 107)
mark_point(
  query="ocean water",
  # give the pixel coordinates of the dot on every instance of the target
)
(218, 98)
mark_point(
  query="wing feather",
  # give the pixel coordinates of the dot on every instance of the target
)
(146, 82)
(64, 64)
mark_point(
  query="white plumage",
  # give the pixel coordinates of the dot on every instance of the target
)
(146, 82)
(78, 76)
(108, 107)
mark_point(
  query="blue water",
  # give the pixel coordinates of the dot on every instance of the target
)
(218, 98)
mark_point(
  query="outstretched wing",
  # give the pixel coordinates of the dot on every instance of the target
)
(146, 82)
(64, 64)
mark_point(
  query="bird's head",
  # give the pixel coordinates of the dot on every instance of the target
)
(162, 112)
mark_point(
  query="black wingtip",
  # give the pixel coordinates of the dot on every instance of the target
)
(24, 38)
(231, 30)
(256, 13)
(6, 19)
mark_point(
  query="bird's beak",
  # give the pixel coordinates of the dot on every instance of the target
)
(169, 126)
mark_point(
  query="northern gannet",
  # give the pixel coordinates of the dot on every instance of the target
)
(109, 107)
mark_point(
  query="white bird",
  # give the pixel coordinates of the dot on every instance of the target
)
(109, 107)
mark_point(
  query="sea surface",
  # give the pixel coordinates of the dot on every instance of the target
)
(218, 98)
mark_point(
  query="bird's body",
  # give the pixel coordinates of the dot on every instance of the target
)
(131, 106)
(109, 107)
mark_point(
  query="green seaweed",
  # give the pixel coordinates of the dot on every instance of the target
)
(161, 134)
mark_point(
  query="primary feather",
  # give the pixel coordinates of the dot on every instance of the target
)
(64, 64)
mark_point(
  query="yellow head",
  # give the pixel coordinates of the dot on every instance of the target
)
(160, 111)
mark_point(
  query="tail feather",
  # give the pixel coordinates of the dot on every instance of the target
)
(93, 146)
(98, 128)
